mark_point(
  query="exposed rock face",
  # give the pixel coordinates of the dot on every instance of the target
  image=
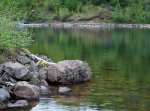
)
(26, 90)
(69, 71)
(4, 95)
(19, 103)
(16, 70)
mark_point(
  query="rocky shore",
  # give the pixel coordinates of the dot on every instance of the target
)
(88, 25)
(26, 76)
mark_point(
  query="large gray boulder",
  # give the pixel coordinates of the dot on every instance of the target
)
(27, 91)
(69, 71)
(16, 70)
(4, 95)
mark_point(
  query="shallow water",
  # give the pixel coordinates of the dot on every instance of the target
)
(119, 60)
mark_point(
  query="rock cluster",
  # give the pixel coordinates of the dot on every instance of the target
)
(27, 77)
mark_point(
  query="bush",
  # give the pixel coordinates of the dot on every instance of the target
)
(71, 4)
(11, 36)
(63, 13)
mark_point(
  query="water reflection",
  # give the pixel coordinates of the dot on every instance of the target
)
(30, 106)
(119, 59)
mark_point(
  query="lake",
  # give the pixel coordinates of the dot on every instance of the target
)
(120, 64)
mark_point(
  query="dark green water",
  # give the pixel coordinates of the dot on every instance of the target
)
(119, 60)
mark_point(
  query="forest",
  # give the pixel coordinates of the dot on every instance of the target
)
(118, 11)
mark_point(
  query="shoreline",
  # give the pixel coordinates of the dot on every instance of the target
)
(87, 25)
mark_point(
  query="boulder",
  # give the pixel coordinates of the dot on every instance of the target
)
(44, 87)
(22, 53)
(1, 68)
(69, 71)
(33, 66)
(19, 103)
(27, 91)
(16, 70)
(23, 60)
(45, 58)
(34, 80)
(4, 95)
(43, 73)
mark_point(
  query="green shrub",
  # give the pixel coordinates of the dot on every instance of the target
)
(100, 10)
(63, 13)
(11, 36)
(106, 21)
(71, 4)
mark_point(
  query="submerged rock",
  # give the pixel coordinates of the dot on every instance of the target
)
(44, 90)
(69, 71)
(16, 70)
(64, 89)
(19, 103)
(27, 91)
(44, 87)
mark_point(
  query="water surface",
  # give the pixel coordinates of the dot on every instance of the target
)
(119, 60)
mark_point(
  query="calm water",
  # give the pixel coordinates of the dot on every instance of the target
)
(119, 60)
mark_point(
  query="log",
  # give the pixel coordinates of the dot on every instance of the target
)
(37, 58)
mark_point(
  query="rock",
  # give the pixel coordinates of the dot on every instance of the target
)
(44, 83)
(4, 95)
(76, 19)
(44, 90)
(16, 70)
(64, 89)
(22, 53)
(23, 60)
(30, 75)
(19, 103)
(34, 80)
(69, 71)
(43, 57)
(33, 66)
(1, 68)
(27, 91)
(43, 73)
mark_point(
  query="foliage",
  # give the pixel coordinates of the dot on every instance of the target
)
(125, 11)
(63, 13)
(11, 35)
(133, 13)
